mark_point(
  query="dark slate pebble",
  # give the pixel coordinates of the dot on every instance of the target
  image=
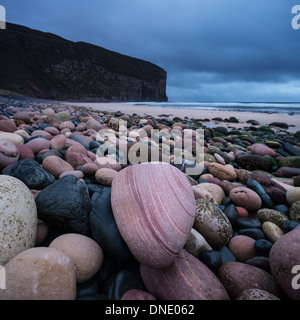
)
(283, 209)
(65, 204)
(94, 144)
(291, 149)
(231, 213)
(31, 173)
(263, 247)
(212, 259)
(108, 267)
(253, 233)
(104, 228)
(257, 187)
(226, 254)
(121, 282)
(81, 140)
(260, 262)
(226, 201)
(87, 288)
(289, 225)
(247, 222)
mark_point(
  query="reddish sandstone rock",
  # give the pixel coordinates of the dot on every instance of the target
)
(56, 165)
(38, 144)
(284, 256)
(185, 279)
(242, 247)
(237, 277)
(7, 126)
(159, 199)
(246, 198)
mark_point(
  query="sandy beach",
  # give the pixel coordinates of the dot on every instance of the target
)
(143, 110)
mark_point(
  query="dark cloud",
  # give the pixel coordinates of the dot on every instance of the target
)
(213, 50)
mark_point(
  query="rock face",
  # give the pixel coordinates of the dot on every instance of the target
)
(43, 65)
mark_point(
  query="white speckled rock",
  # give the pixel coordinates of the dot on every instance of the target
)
(40, 274)
(18, 218)
(196, 243)
(84, 252)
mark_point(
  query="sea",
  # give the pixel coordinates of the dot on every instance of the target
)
(292, 108)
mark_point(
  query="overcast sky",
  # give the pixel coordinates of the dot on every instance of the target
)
(212, 50)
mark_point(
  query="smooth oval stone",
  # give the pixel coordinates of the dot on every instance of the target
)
(271, 215)
(105, 176)
(284, 256)
(186, 279)
(222, 172)
(104, 228)
(212, 223)
(135, 294)
(261, 149)
(237, 277)
(247, 222)
(31, 173)
(216, 192)
(289, 225)
(18, 218)
(212, 259)
(56, 166)
(47, 274)
(256, 294)
(253, 233)
(295, 211)
(11, 137)
(38, 144)
(58, 142)
(7, 126)
(260, 262)
(118, 284)
(65, 204)
(67, 124)
(272, 231)
(242, 247)
(263, 247)
(84, 252)
(246, 198)
(293, 195)
(9, 153)
(196, 243)
(231, 213)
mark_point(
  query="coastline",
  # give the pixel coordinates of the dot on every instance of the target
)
(263, 118)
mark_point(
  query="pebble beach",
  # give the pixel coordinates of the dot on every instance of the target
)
(80, 220)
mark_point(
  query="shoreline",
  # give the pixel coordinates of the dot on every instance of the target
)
(264, 118)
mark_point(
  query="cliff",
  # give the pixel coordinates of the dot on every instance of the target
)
(43, 65)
